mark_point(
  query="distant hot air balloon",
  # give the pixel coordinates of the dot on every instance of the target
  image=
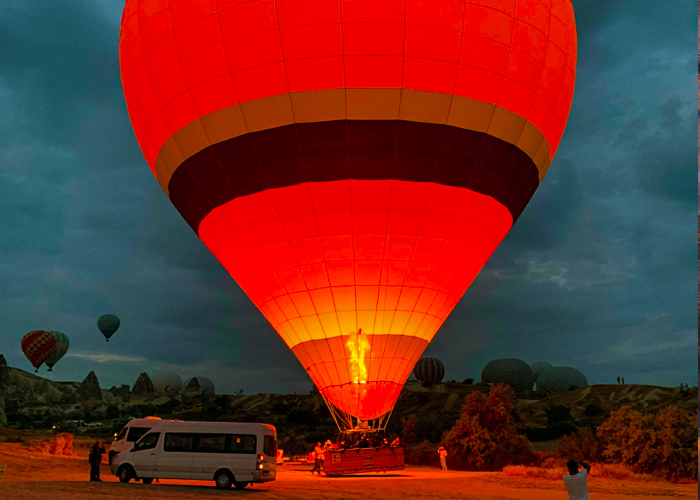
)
(429, 370)
(561, 379)
(198, 386)
(352, 164)
(538, 368)
(108, 324)
(167, 384)
(59, 349)
(37, 346)
(510, 371)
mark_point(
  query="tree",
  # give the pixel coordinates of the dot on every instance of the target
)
(409, 429)
(484, 437)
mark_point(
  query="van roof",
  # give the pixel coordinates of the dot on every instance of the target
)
(215, 426)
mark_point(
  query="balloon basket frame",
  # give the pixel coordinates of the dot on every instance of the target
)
(348, 423)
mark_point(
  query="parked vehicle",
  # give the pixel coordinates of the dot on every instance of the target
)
(134, 429)
(229, 453)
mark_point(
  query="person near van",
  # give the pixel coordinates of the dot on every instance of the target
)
(575, 480)
(443, 458)
(318, 459)
(95, 459)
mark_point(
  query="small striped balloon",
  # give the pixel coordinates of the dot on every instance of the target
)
(37, 346)
(429, 370)
(59, 349)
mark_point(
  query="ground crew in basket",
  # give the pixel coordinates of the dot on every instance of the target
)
(443, 458)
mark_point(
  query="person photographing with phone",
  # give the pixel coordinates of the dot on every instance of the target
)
(575, 480)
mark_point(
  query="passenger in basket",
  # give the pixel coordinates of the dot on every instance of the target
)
(396, 442)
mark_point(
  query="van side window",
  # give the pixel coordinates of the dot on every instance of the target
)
(270, 446)
(178, 442)
(243, 443)
(212, 443)
(135, 433)
(148, 442)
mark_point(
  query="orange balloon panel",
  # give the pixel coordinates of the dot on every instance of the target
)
(326, 260)
(352, 163)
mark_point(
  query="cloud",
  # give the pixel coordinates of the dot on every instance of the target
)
(104, 357)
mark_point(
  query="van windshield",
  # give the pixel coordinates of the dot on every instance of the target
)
(135, 433)
(121, 434)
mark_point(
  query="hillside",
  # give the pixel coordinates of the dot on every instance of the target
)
(33, 402)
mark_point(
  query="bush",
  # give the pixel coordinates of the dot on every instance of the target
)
(663, 445)
(593, 410)
(550, 432)
(484, 438)
(558, 413)
(422, 454)
(582, 445)
(552, 474)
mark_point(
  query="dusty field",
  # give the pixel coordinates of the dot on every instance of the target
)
(42, 477)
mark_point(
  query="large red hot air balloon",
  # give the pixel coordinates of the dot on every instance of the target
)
(352, 163)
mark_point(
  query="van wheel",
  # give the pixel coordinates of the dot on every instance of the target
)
(223, 479)
(240, 484)
(147, 480)
(125, 473)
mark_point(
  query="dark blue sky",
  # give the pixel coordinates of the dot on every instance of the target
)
(598, 273)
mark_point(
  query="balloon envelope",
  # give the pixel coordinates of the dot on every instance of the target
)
(198, 386)
(108, 324)
(429, 370)
(167, 384)
(510, 371)
(352, 168)
(539, 367)
(37, 346)
(59, 349)
(561, 379)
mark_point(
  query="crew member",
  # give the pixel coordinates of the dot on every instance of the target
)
(95, 459)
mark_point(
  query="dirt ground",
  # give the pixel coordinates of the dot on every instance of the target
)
(44, 477)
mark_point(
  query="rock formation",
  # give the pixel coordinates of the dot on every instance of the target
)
(120, 392)
(143, 386)
(90, 388)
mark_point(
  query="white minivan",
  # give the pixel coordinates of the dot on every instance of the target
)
(130, 433)
(229, 453)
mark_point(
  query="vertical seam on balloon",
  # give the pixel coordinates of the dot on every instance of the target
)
(393, 180)
(170, 131)
(296, 131)
(437, 160)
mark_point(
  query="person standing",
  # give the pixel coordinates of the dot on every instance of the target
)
(575, 480)
(618, 380)
(623, 380)
(95, 459)
(318, 459)
(443, 458)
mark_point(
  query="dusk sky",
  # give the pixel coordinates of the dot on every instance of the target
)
(598, 273)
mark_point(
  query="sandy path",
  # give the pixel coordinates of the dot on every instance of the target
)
(37, 477)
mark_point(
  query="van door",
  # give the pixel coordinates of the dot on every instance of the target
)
(175, 462)
(209, 455)
(143, 455)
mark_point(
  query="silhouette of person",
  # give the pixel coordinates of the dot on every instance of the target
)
(618, 380)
